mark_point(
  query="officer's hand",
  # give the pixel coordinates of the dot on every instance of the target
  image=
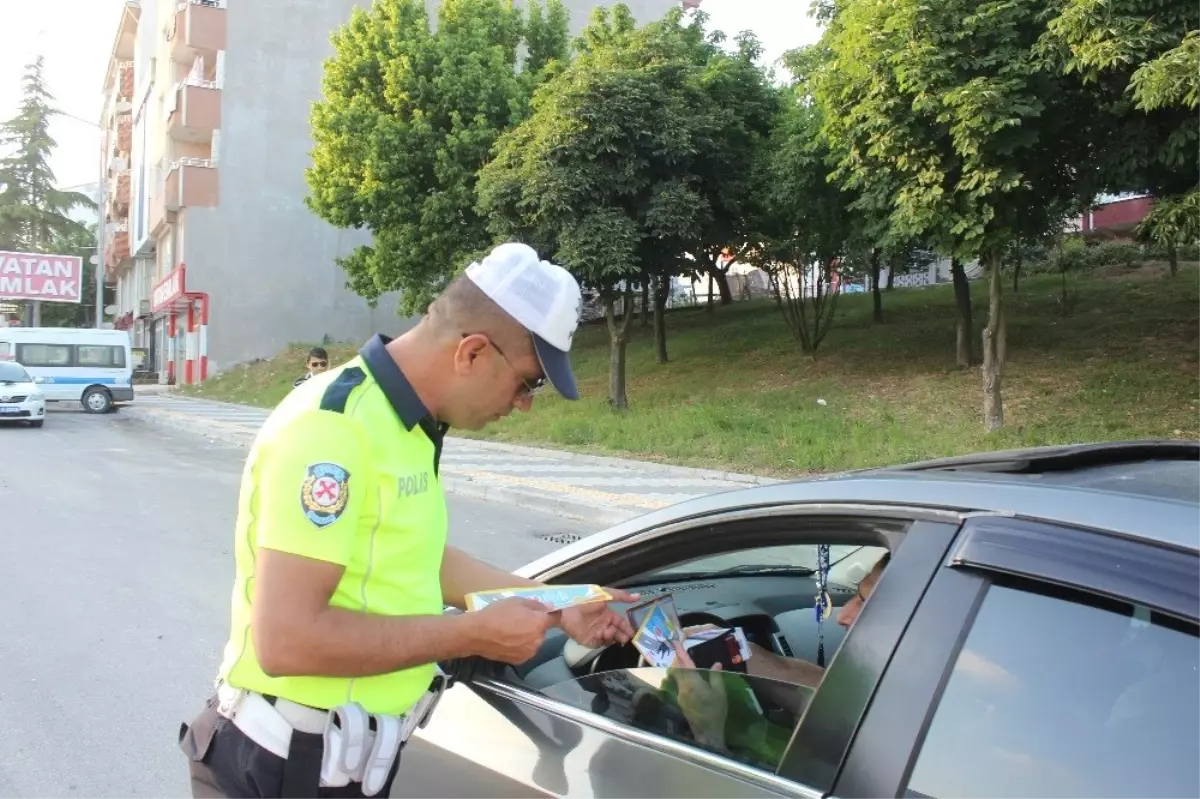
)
(511, 630)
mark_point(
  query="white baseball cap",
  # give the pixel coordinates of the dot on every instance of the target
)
(543, 297)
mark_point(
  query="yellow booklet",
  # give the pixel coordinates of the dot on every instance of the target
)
(556, 597)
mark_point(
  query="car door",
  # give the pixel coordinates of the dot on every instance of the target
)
(497, 737)
(1043, 661)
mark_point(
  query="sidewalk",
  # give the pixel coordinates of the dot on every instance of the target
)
(596, 489)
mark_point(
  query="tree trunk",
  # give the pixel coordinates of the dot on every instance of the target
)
(710, 293)
(646, 301)
(618, 336)
(875, 292)
(994, 348)
(722, 279)
(1017, 269)
(661, 293)
(962, 300)
(1173, 258)
(891, 281)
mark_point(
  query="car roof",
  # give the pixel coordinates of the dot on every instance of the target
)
(1166, 469)
(1147, 490)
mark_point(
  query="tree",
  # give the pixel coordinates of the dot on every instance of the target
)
(742, 105)
(1173, 222)
(33, 211)
(879, 140)
(803, 220)
(80, 242)
(1139, 61)
(407, 119)
(959, 114)
(601, 176)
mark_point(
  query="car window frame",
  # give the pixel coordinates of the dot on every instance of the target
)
(809, 770)
(988, 550)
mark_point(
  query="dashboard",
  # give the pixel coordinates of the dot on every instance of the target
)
(776, 611)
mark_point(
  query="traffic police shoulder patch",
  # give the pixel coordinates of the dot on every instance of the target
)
(324, 493)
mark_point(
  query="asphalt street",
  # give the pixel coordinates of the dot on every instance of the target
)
(116, 543)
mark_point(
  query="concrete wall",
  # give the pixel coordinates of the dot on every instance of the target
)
(266, 261)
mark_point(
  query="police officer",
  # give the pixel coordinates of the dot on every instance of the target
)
(342, 566)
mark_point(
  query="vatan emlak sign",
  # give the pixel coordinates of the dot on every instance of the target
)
(47, 278)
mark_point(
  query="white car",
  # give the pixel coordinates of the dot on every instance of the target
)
(21, 400)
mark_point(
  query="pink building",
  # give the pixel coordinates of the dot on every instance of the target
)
(1116, 219)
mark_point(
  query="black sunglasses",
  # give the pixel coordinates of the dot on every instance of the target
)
(531, 387)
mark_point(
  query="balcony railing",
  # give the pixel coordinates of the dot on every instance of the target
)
(117, 245)
(197, 26)
(190, 183)
(194, 110)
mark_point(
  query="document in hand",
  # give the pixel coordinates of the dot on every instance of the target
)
(556, 597)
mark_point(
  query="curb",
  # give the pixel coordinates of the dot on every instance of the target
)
(240, 437)
(615, 463)
(713, 475)
(565, 508)
(236, 435)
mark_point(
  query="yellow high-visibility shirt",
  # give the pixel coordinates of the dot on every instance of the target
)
(345, 470)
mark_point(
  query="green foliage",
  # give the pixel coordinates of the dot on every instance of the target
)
(33, 211)
(408, 117)
(1138, 61)
(1173, 222)
(804, 222)
(611, 174)
(942, 108)
(1074, 255)
(81, 242)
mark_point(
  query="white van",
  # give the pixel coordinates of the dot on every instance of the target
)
(93, 367)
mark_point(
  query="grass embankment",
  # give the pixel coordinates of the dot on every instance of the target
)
(737, 394)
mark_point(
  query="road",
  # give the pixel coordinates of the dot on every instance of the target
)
(116, 543)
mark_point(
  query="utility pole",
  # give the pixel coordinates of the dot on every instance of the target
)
(100, 231)
(101, 226)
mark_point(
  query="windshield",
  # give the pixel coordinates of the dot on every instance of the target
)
(13, 373)
(795, 557)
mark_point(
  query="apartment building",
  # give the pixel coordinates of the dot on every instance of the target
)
(216, 259)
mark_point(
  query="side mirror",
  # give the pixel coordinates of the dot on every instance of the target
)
(39, 380)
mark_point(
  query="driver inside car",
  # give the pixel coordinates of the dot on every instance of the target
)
(721, 718)
(764, 663)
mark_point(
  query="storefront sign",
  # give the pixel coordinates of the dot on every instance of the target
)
(46, 278)
(169, 289)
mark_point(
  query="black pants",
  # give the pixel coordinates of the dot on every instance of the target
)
(224, 762)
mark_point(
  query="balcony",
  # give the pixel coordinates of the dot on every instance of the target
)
(116, 249)
(118, 195)
(190, 183)
(196, 112)
(124, 140)
(125, 84)
(196, 29)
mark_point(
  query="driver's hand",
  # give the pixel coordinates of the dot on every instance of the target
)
(702, 699)
(597, 623)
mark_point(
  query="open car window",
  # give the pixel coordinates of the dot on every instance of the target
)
(745, 718)
(848, 563)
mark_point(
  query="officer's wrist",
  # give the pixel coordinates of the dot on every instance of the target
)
(467, 634)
